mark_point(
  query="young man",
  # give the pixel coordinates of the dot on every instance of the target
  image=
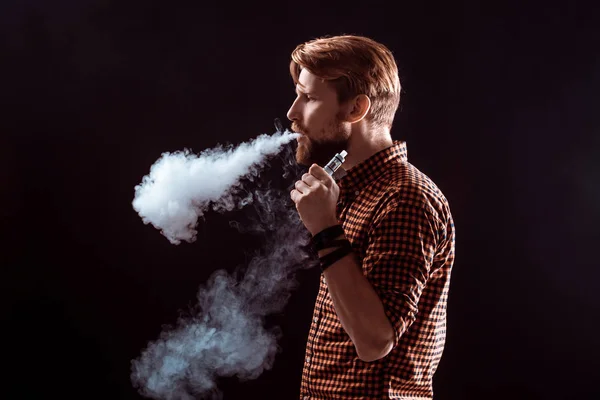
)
(384, 231)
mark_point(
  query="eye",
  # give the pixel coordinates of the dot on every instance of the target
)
(308, 97)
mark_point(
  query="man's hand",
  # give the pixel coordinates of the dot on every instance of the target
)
(316, 196)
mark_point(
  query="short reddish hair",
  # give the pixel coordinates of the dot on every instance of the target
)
(353, 65)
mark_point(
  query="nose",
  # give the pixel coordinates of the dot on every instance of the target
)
(292, 113)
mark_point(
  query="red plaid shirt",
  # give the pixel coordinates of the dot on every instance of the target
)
(400, 227)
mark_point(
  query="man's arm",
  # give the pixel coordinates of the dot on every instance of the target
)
(377, 301)
(359, 308)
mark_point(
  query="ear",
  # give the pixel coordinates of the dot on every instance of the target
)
(360, 107)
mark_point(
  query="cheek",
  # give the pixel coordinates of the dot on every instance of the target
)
(314, 114)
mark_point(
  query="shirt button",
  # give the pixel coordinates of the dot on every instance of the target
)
(315, 319)
(357, 192)
(307, 360)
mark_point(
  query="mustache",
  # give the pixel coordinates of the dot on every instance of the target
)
(297, 128)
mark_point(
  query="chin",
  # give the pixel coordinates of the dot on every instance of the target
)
(302, 157)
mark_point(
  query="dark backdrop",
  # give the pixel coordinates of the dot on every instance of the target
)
(499, 108)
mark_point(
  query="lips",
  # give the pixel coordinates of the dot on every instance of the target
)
(297, 128)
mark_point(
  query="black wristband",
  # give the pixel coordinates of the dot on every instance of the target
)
(333, 243)
(328, 259)
(321, 239)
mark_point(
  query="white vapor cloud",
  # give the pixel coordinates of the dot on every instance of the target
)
(181, 186)
(225, 334)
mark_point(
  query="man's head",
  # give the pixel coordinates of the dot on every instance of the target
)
(339, 81)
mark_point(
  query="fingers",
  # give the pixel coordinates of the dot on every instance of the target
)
(310, 180)
(320, 174)
(294, 194)
(315, 177)
(302, 187)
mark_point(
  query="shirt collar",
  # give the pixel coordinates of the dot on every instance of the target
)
(356, 178)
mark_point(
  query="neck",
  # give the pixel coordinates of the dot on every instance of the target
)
(363, 145)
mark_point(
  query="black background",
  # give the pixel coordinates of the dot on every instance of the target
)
(499, 107)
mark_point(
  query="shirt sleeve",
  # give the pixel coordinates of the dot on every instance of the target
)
(401, 247)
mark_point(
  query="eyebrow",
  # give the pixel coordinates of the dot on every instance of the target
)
(303, 91)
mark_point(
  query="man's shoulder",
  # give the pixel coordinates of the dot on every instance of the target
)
(405, 183)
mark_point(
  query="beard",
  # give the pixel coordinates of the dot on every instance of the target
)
(321, 149)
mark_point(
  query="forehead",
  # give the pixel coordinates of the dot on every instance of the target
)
(309, 82)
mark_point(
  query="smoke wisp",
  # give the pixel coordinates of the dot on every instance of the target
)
(225, 335)
(182, 186)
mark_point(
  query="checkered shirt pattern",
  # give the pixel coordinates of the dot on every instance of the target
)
(401, 229)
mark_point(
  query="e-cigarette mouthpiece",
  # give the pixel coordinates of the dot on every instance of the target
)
(336, 162)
